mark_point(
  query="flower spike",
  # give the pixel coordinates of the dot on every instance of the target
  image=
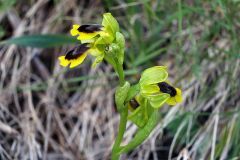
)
(95, 38)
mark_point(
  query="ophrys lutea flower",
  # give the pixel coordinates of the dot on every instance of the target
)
(155, 87)
(152, 91)
(95, 39)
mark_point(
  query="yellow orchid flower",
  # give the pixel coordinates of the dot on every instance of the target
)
(77, 55)
(154, 87)
(87, 31)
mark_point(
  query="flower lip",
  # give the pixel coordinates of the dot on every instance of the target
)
(90, 28)
(166, 88)
(77, 51)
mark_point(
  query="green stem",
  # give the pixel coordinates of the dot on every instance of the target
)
(121, 130)
(119, 70)
(117, 67)
(142, 134)
(123, 110)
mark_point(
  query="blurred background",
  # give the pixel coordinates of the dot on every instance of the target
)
(53, 113)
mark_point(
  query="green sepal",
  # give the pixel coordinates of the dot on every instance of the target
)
(149, 89)
(137, 117)
(120, 41)
(157, 100)
(141, 115)
(110, 23)
(153, 75)
(121, 94)
(114, 51)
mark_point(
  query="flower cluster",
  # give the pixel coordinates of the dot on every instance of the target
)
(97, 40)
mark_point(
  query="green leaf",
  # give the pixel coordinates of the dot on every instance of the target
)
(40, 41)
(142, 133)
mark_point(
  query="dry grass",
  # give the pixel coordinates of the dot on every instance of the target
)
(47, 114)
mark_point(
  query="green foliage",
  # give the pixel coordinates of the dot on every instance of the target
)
(6, 4)
(40, 41)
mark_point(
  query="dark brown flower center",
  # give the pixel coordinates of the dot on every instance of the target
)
(166, 88)
(77, 51)
(90, 28)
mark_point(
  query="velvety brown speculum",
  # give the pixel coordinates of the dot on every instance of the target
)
(133, 103)
(77, 52)
(89, 28)
(166, 88)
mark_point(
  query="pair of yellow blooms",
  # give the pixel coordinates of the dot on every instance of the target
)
(86, 34)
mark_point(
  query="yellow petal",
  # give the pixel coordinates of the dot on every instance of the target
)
(63, 62)
(86, 36)
(74, 31)
(76, 26)
(178, 97)
(78, 61)
(179, 92)
(171, 101)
